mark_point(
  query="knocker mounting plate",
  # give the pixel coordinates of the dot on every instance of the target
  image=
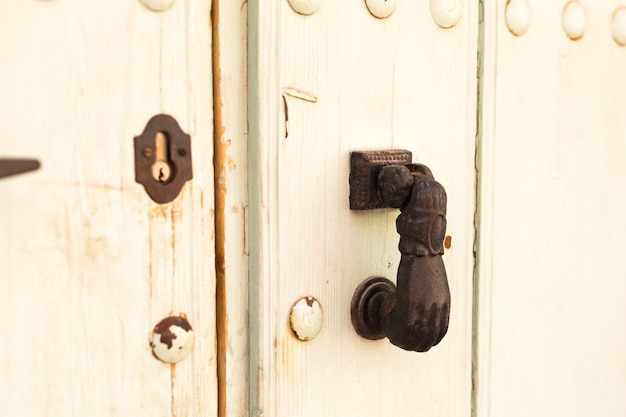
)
(364, 169)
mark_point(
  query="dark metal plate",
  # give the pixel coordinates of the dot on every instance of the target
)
(179, 157)
(364, 169)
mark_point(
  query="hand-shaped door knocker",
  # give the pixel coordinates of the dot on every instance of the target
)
(415, 314)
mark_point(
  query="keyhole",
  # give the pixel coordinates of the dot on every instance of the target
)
(162, 176)
(161, 169)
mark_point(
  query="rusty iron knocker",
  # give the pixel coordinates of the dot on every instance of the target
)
(415, 314)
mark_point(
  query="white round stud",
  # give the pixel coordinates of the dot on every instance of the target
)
(517, 16)
(574, 20)
(172, 339)
(305, 7)
(306, 318)
(158, 5)
(381, 8)
(618, 27)
(446, 13)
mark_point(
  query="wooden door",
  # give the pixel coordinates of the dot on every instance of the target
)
(551, 292)
(323, 85)
(89, 264)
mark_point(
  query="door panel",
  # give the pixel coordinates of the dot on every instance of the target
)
(346, 81)
(89, 263)
(552, 299)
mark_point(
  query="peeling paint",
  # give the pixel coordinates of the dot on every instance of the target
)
(172, 339)
(301, 94)
(306, 318)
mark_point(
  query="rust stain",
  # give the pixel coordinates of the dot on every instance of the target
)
(158, 210)
(173, 397)
(150, 275)
(105, 187)
(243, 235)
(212, 213)
(447, 243)
(231, 164)
(173, 242)
(219, 165)
(177, 209)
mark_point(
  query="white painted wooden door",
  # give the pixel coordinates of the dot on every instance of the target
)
(88, 263)
(550, 300)
(322, 86)
(551, 278)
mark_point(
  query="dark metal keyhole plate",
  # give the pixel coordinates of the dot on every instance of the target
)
(163, 158)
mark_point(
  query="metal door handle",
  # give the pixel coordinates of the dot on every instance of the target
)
(10, 167)
(415, 314)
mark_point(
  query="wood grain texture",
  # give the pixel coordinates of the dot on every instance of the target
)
(402, 82)
(89, 263)
(230, 26)
(551, 288)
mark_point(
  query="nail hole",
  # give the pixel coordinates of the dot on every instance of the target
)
(182, 152)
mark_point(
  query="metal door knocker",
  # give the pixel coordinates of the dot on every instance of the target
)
(414, 315)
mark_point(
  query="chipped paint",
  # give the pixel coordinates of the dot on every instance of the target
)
(301, 94)
(306, 318)
(172, 339)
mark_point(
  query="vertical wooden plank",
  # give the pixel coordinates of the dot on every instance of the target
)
(551, 292)
(91, 264)
(402, 82)
(230, 73)
(263, 129)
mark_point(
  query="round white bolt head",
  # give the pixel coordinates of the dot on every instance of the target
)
(305, 7)
(446, 13)
(172, 339)
(306, 318)
(158, 5)
(517, 16)
(574, 20)
(618, 27)
(381, 8)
